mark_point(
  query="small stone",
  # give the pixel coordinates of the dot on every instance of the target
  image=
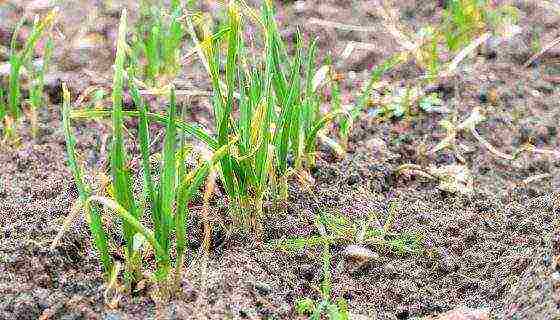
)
(555, 276)
(360, 253)
(263, 288)
(299, 6)
(112, 316)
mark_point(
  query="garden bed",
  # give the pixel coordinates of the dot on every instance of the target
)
(494, 249)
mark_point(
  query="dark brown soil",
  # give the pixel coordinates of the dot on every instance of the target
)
(497, 248)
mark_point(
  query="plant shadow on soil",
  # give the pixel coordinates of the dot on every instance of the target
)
(494, 249)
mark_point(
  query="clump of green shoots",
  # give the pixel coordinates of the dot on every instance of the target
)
(267, 122)
(11, 110)
(464, 21)
(266, 104)
(158, 40)
(167, 201)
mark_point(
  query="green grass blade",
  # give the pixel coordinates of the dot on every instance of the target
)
(376, 75)
(273, 51)
(14, 89)
(296, 123)
(2, 105)
(264, 155)
(191, 184)
(167, 182)
(310, 107)
(95, 224)
(144, 138)
(49, 48)
(224, 129)
(37, 88)
(151, 48)
(13, 42)
(122, 183)
(18, 60)
(194, 130)
(39, 28)
(311, 139)
(134, 224)
(245, 110)
(172, 42)
(287, 117)
(180, 216)
(319, 310)
(310, 68)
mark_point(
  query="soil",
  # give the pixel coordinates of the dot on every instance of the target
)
(495, 249)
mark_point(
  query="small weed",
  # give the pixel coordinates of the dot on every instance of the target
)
(335, 230)
(334, 310)
(341, 230)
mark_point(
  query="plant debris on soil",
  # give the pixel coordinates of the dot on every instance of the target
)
(494, 251)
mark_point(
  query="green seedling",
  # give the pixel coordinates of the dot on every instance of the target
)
(365, 98)
(158, 40)
(341, 230)
(334, 310)
(3, 108)
(36, 91)
(167, 201)
(466, 20)
(463, 20)
(18, 60)
(335, 230)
